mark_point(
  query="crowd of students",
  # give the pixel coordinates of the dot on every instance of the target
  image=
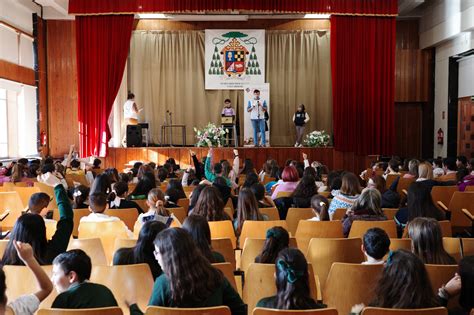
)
(172, 253)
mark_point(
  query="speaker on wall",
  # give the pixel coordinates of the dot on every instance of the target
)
(134, 136)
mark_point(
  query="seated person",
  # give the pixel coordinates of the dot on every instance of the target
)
(320, 206)
(277, 239)
(259, 192)
(291, 277)
(118, 198)
(71, 270)
(157, 211)
(80, 196)
(38, 202)
(375, 246)
(198, 227)
(29, 303)
(97, 206)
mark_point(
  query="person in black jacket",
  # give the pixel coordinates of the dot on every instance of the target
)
(390, 196)
(118, 198)
(30, 228)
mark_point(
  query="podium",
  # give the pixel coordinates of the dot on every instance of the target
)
(228, 122)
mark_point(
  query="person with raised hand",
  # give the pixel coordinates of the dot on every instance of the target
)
(30, 228)
(29, 303)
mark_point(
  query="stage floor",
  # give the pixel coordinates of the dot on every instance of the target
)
(333, 159)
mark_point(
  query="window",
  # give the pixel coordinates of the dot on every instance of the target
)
(18, 120)
(3, 124)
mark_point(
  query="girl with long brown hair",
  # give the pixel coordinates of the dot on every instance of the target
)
(210, 205)
(189, 280)
(247, 209)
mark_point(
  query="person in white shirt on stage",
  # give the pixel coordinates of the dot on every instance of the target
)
(257, 109)
(130, 110)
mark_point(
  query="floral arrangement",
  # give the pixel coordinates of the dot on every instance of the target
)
(210, 136)
(317, 139)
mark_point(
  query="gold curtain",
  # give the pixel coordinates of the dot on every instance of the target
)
(167, 74)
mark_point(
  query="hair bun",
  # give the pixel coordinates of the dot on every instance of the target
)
(159, 203)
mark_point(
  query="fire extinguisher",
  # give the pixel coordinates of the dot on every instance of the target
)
(43, 138)
(440, 136)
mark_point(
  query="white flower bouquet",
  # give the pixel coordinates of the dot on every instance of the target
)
(317, 139)
(210, 136)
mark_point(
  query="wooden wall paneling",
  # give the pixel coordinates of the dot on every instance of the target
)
(42, 80)
(466, 127)
(408, 128)
(62, 86)
(17, 73)
(412, 75)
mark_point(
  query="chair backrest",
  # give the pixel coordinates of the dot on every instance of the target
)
(223, 229)
(228, 272)
(316, 229)
(284, 194)
(11, 202)
(446, 229)
(338, 214)
(183, 203)
(390, 179)
(391, 311)
(141, 202)
(84, 311)
(295, 215)
(399, 243)
(269, 311)
(106, 231)
(93, 248)
(71, 179)
(323, 252)
(124, 243)
(179, 213)
(469, 188)
(78, 214)
(440, 275)
(123, 279)
(224, 247)
(403, 184)
(50, 228)
(350, 284)
(459, 201)
(390, 212)
(25, 194)
(258, 229)
(3, 247)
(467, 247)
(128, 216)
(159, 310)
(272, 213)
(20, 280)
(47, 190)
(252, 248)
(443, 194)
(452, 245)
(260, 283)
(359, 228)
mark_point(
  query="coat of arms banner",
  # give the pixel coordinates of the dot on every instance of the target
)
(234, 58)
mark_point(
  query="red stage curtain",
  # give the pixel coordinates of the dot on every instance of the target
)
(370, 7)
(102, 44)
(363, 83)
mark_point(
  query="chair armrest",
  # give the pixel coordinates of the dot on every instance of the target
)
(442, 206)
(468, 214)
(405, 192)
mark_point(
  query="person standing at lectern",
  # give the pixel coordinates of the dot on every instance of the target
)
(228, 111)
(257, 109)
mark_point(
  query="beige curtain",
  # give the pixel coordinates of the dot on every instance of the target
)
(167, 73)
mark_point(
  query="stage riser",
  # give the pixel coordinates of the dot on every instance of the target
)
(119, 157)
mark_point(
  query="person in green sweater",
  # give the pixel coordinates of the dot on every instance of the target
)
(217, 171)
(71, 270)
(291, 277)
(198, 227)
(188, 279)
(30, 228)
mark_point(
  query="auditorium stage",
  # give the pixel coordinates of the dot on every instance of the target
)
(119, 157)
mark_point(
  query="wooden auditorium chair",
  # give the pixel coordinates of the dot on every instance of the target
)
(295, 215)
(338, 214)
(228, 272)
(391, 311)
(359, 228)
(459, 201)
(440, 275)
(272, 213)
(258, 229)
(390, 212)
(316, 229)
(252, 248)
(92, 247)
(452, 245)
(323, 252)
(124, 243)
(350, 284)
(10, 203)
(467, 247)
(224, 247)
(223, 229)
(25, 194)
(85, 311)
(50, 191)
(443, 194)
(128, 216)
(159, 310)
